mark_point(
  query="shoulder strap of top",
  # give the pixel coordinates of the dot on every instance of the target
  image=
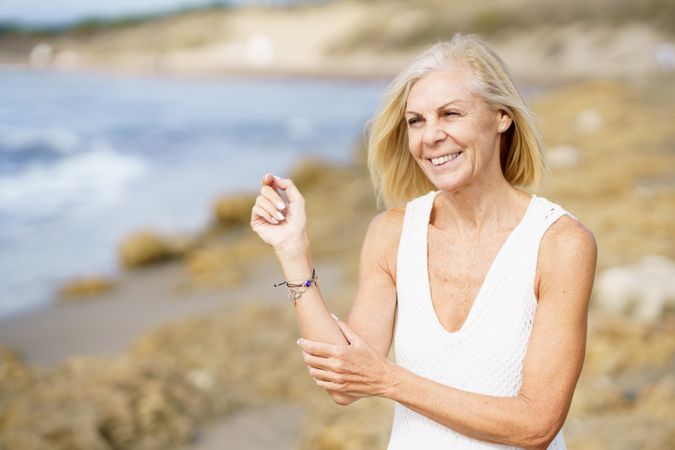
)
(548, 214)
(417, 214)
(412, 248)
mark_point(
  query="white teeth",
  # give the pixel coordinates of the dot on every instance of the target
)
(445, 158)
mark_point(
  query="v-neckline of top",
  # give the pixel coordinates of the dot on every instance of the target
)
(486, 279)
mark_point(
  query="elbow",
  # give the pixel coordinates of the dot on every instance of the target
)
(341, 399)
(539, 433)
(539, 425)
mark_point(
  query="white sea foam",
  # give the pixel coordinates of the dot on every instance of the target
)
(90, 180)
(58, 140)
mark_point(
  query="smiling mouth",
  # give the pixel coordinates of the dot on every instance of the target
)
(439, 161)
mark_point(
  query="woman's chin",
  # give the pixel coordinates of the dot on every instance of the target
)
(448, 182)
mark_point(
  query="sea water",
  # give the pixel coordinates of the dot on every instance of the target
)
(85, 159)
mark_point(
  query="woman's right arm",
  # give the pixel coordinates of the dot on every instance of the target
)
(373, 311)
(283, 225)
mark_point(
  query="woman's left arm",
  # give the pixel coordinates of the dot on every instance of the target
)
(555, 354)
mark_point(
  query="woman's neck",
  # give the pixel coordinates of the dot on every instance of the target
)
(484, 206)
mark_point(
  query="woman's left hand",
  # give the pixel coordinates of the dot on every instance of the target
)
(355, 369)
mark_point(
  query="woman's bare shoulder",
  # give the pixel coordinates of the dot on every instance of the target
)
(568, 235)
(381, 243)
(568, 253)
(386, 227)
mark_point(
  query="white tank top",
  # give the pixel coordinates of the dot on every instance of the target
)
(486, 355)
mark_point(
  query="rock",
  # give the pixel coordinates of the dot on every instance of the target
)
(313, 173)
(144, 248)
(215, 267)
(100, 403)
(233, 211)
(644, 290)
(79, 288)
(14, 375)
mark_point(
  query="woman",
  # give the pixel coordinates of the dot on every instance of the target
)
(489, 285)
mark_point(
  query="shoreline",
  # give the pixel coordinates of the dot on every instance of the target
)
(188, 75)
(143, 300)
(540, 81)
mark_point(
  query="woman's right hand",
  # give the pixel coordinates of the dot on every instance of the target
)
(281, 224)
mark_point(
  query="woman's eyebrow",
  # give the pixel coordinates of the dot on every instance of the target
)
(443, 106)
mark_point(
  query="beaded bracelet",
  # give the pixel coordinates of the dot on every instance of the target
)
(296, 290)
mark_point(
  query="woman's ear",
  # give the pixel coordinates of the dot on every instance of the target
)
(503, 121)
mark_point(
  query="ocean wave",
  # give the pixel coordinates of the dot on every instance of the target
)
(94, 179)
(22, 147)
(14, 140)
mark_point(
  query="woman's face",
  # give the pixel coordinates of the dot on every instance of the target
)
(452, 133)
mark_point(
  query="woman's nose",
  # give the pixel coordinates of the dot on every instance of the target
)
(433, 134)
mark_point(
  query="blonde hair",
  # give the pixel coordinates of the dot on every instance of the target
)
(396, 176)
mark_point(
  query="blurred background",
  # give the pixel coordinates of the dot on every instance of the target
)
(136, 307)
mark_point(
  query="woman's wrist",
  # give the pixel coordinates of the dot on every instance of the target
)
(292, 249)
(392, 378)
(295, 258)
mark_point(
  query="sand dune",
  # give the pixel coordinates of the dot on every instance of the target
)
(539, 40)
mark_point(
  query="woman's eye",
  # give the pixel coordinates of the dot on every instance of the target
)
(413, 121)
(451, 113)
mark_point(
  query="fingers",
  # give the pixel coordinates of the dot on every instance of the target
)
(325, 375)
(270, 180)
(267, 179)
(285, 184)
(347, 332)
(314, 361)
(270, 205)
(329, 385)
(274, 197)
(319, 362)
(319, 348)
(259, 211)
(270, 208)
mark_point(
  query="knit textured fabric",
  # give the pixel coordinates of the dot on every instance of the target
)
(486, 355)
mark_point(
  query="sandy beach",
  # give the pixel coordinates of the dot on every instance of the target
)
(275, 427)
(142, 300)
